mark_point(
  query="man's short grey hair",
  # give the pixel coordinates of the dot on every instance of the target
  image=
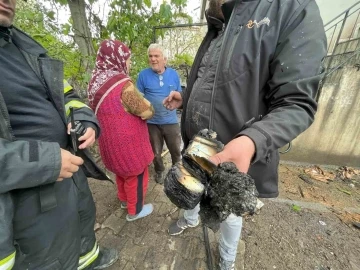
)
(156, 46)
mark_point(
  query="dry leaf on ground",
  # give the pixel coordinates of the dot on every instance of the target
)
(348, 218)
(316, 173)
(347, 173)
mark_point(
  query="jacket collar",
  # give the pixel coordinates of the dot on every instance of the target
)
(5, 34)
(26, 43)
(214, 22)
(227, 8)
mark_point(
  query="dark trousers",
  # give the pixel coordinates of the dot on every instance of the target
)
(171, 134)
(57, 238)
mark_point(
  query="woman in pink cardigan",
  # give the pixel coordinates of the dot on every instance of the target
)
(122, 112)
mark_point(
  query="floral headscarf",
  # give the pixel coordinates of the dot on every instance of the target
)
(110, 71)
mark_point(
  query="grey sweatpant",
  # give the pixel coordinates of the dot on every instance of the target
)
(230, 232)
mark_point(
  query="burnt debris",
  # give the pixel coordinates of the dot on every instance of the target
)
(221, 190)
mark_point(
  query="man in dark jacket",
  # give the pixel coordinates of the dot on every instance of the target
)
(253, 81)
(47, 210)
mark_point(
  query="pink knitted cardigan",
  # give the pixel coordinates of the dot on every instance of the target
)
(124, 142)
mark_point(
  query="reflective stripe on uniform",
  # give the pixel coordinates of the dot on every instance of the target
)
(89, 258)
(75, 104)
(67, 87)
(8, 262)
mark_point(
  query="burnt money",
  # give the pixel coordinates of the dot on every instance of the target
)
(221, 190)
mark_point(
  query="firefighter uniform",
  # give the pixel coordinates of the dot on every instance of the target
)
(45, 224)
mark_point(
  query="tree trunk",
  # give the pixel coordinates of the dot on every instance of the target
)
(82, 30)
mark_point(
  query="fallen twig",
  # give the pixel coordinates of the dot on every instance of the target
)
(164, 153)
(275, 239)
(344, 191)
(305, 178)
(172, 211)
(288, 244)
(301, 192)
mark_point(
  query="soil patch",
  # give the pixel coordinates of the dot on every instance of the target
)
(337, 194)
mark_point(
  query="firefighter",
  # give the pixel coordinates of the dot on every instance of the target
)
(46, 207)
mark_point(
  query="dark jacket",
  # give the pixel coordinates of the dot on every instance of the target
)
(269, 71)
(25, 164)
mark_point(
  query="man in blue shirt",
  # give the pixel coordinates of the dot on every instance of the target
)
(156, 83)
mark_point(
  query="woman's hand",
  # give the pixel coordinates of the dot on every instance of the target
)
(173, 101)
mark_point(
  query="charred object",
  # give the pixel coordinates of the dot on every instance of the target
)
(220, 190)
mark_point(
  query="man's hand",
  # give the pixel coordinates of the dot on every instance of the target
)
(239, 151)
(69, 164)
(173, 101)
(89, 137)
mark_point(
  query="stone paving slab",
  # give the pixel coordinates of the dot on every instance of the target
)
(145, 244)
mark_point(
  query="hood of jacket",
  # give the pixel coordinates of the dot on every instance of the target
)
(227, 8)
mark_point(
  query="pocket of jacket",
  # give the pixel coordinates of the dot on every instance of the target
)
(232, 46)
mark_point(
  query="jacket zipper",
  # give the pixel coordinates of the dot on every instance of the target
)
(227, 30)
(207, 66)
(237, 32)
(44, 83)
(49, 92)
(6, 118)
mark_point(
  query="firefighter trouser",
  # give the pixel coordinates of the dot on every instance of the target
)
(59, 236)
(7, 250)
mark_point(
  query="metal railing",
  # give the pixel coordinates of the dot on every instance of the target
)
(343, 35)
(188, 25)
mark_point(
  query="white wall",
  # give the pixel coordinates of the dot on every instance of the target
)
(334, 137)
(329, 9)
